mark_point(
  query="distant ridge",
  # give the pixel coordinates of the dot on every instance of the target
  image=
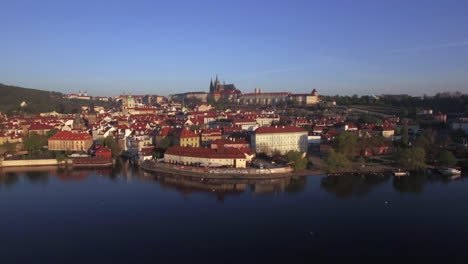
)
(37, 101)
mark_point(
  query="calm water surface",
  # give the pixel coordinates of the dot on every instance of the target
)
(128, 216)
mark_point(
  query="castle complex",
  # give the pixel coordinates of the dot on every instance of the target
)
(260, 98)
(225, 91)
(229, 92)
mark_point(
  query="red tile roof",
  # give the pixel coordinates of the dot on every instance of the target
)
(40, 127)
(177, 132)
(184, 133)
(67, 135)
(224, 141)
(213, 131)
(243, 120)
(279, 93)
(279, 129)
(228, 153)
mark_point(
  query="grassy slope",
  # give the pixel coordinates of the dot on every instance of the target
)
(38, 101)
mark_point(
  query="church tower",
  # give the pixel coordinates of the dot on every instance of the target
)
(211, 86)
(92, 116)
(216, 84)
(78, 122)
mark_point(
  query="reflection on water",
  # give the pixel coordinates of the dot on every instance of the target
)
(8, 179)
(65, 216)
(352, 185)
(219, 188)
(341, 186)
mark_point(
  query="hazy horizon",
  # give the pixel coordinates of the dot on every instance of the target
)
(147, 47)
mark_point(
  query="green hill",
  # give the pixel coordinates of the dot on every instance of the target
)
(37, 101)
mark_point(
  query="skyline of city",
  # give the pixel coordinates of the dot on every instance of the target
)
(164, 48)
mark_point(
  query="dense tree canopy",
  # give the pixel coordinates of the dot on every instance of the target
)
(336, 162)
(446, 158)
(346, 143)
(298, 160)
(413, 159)
(34, 142)
(444, 102)
(113, 145)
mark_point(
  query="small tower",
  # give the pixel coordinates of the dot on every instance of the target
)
(78, 122)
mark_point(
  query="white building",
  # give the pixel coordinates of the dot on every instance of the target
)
(280, 139)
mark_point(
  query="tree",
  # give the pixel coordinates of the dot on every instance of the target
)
(369, 119)
(346, 143)
(446, 158)
(404, 134)
(298, 160)
(157, 153)
(60, 156)
(373, 142)
(165, 143)
(51, 133)
(113, 145)
(412, 159)
(34, 142)
(336, 162)
(9, 147)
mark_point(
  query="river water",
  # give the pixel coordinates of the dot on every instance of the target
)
(124, 215)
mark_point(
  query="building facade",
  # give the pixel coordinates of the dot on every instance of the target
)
(70, 141)
(209, 135)
(279, 139)
(306, 99)
(222, 90)
(260, 98)
(205, 157)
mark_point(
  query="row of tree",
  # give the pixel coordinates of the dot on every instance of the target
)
(444, 102)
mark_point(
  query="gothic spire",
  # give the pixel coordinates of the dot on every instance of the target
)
(211, 85)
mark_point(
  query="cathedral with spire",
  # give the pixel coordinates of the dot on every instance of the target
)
(222, 90)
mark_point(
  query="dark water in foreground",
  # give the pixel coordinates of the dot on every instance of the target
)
(127, 216)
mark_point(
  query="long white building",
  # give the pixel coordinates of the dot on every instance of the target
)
(280, 139)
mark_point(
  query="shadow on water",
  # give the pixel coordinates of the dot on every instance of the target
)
(8, 179)
(221, 188)
(37, 177)
(344, 186)
(416, 182)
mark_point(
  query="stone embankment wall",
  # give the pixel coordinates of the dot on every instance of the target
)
(27, 163)
(216, 172)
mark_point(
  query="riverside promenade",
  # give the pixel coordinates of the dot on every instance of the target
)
(218, 173)
(73, 162)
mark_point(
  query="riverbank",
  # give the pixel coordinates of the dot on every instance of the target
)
(82, 162)
(218, 173)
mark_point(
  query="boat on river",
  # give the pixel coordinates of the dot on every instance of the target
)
(449, 171)
(401, 172)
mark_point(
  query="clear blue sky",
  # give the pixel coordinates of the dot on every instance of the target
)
(163, 47)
